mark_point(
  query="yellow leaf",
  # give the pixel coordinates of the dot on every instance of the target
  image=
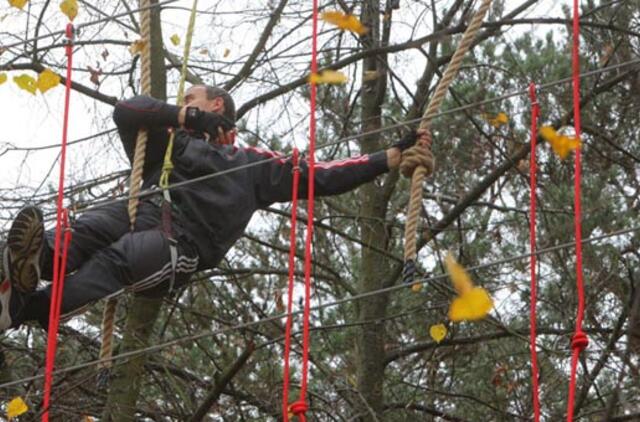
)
(16, 407)
(136, 47)
(69, 8)
(471, 306)
(562, 145)
(328, 77)
(226, 52)
(26, 82)
(344, 22)
(204, 51)
(18, 3)
(438, 332)
(47, 80)
(175, 39)
(459, 276)
(3, 78)
(416, 288)
(499, 120)
(472, 303)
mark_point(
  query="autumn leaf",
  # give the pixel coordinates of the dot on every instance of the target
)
(328, 77)
(562, 145)
(204, 51)
(498, 120)
(69, 8)
(3, 78)
(416, 287)
(136, 47)
(472, 303)
(19, 4)
(175, 39)
(344, 21)
(104, 54)
(226, 52)
(47, 80)
(26, 82)
(95, 75)
(16, 407)
(438, 332)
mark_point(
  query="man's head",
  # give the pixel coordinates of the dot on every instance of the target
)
(211, 99)
(216, 100)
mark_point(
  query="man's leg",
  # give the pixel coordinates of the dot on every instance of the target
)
(138, 261)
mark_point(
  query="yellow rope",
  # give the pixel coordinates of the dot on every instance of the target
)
(421, 172)
(167, 166)
(108, 316)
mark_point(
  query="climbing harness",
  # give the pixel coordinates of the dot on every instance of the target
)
(61, 245)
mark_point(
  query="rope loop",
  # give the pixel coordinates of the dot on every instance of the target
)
(414, 157)
(580, 341)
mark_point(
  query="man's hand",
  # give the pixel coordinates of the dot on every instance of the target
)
(207, 122)
(394, 154)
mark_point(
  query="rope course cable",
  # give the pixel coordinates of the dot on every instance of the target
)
(395, 288)
(522, 92)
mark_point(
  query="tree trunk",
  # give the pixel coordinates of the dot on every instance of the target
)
(127, 377)
(371, 337)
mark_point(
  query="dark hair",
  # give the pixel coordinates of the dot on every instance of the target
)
(229, 105)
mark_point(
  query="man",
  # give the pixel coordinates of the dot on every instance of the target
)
(106, 258)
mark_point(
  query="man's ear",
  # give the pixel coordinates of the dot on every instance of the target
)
(217, 105)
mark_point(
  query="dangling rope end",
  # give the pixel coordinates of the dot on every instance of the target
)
(409, 271)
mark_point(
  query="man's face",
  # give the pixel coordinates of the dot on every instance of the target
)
(196, 96)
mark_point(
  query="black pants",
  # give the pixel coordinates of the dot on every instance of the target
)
(105, 259)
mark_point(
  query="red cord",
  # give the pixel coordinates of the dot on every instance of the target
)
(579, 341)
(292, 259)
(62, 224)
(300, 407)
(535, 112)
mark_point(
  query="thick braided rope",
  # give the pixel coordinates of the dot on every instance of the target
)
(106, 348)
(421, 172)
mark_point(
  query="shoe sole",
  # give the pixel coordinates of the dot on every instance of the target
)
(24, 243)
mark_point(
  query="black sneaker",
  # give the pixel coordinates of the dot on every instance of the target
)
(11, 301)
(21, 258)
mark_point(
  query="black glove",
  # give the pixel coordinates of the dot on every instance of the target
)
(207, 122)
(407, 141)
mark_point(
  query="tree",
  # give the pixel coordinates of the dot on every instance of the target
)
(372, 358)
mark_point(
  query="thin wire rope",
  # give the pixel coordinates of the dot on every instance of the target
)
(390, 289)
(541, 87)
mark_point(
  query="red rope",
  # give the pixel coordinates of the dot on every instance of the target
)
(62, 224)
(535, 112)
(292, 258)
(580, 340)
(300, 407)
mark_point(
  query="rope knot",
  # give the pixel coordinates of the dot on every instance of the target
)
(299, 408)
(414, 157)
(579, 341)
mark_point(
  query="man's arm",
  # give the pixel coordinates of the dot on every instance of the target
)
(146, 112)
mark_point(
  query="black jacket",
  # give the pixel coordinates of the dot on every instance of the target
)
(218, 209)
